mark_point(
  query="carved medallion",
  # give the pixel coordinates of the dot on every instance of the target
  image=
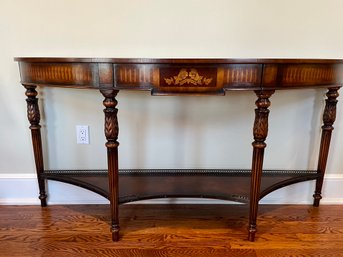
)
(189, 77)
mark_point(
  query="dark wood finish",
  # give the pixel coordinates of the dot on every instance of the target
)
(33, 116)
(233, 185)
(260, 131)
(176, 61)
(75, 75)
(170, 230)
(182, 76)
(329, 118)
(157, 75)
(111, 133)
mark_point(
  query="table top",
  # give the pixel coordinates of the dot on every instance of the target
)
(178, 60)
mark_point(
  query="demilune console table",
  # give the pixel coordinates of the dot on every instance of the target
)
(176, 77)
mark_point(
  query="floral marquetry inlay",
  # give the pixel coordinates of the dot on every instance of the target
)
(191, 77)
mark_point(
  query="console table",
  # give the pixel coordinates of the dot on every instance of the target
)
(175, 77)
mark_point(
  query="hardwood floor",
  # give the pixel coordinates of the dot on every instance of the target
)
(171, 230)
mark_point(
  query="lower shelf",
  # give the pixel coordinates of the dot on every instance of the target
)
(139, 184)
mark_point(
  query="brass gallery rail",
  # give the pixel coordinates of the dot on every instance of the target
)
(175, 77)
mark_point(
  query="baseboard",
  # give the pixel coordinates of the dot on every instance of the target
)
(22, 189)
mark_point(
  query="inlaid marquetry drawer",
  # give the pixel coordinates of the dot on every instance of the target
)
(166, 79)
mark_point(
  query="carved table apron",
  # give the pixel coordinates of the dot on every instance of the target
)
(182, 76)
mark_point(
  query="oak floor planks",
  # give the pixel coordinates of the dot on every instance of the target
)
(171, 230)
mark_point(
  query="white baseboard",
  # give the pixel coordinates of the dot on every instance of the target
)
(22, 189)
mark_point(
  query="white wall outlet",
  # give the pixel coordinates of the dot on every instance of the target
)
(82, 134)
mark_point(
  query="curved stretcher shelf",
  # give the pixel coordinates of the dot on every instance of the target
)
(139, 184)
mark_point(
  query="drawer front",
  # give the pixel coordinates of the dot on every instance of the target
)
(190, 79)
(187, 79)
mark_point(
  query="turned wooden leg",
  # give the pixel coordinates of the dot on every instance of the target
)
(111, 133)
(329, 118)
(260, 133)
(33, 116)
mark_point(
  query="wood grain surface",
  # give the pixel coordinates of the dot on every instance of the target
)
(170, 230)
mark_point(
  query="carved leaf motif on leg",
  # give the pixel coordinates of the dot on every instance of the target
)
(329, 115)
(33, 114)
(33, 111)
(111, 124)
(261, 126)
(260, 129)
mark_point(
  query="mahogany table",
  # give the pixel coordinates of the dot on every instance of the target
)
(175, 77)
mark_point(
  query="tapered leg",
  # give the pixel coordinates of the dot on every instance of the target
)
(329, 118)
(111, 133)
(33, 116)
(260, 133)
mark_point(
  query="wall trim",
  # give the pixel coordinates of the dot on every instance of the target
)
(22, 189)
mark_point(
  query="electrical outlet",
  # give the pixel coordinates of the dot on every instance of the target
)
(82, 134)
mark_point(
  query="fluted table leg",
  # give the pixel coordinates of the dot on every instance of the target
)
(329, 118)
(111, 133)
(260, 133)
(33, 116)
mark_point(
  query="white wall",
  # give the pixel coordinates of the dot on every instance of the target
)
(168, 132)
